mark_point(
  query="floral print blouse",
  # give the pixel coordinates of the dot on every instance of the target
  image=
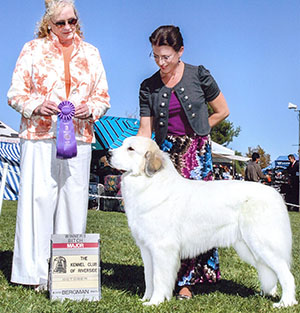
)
(39, 75)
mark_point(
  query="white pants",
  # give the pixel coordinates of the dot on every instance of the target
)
(53, 199)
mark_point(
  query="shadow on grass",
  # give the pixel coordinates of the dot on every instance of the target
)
(5, 263)
(123, 277)
(225, 286)
(130, 278)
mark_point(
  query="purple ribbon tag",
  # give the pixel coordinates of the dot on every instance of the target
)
(66, 145)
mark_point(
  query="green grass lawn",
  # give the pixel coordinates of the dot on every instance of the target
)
(122, 276)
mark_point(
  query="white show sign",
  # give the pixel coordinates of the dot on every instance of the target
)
(75, 267)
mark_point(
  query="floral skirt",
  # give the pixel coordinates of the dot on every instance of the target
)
(192, 158)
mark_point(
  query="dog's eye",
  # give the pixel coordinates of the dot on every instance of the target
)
(130, 149)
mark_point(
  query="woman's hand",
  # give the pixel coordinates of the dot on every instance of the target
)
(47, 108)
(82, 111)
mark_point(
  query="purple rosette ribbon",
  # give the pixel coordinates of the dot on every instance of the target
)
(66, 146)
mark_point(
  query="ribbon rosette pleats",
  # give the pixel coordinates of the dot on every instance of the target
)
(66, 146)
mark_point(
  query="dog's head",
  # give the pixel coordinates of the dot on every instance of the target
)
(138, 155)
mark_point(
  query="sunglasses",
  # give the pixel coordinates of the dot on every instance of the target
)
(71, 21)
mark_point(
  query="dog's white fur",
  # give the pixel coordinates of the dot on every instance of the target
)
(173, 218)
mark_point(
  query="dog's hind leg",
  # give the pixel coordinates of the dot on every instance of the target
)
(269, 264)
(166, 263)
(148, 272)
(287, 282)
(244, 252)
(267, 278)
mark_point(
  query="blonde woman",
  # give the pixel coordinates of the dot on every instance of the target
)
(59, 83)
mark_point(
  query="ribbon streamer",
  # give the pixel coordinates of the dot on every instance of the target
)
(66, 146)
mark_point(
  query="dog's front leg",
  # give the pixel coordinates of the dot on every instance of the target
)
(165, 262)
(148, 272)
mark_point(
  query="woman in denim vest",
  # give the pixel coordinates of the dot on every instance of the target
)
(173, 104)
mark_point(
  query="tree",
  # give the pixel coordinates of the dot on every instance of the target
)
(265, 158)
(238, 165)
(224, 132)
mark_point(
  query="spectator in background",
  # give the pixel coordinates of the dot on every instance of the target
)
(292, 195)
(269, 177)
(226, 173)
(217, 172)
(253, 171)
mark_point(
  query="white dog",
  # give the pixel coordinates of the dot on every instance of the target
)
(173, 218)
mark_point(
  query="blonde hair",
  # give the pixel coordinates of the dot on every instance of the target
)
(52, 7)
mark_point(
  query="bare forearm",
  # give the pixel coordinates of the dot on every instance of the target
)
(146, 124)
(221, 110)
(216, 118)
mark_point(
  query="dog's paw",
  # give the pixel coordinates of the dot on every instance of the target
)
(148, 303)
(153, 302)
(285, 303)
(272, 292)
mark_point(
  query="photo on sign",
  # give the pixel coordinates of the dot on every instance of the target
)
(59, 265)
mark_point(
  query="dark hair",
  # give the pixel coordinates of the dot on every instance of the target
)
(291, 156)
(167, 35)
(255, 156)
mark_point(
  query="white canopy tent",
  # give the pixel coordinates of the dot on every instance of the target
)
(7, 134)
(9, 163)
(222, 154)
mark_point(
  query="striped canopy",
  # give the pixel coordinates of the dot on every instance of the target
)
(10, 154)
(110, 131)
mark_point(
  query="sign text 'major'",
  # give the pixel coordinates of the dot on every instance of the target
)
(75, 245)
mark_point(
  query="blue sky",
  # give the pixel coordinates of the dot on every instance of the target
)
(252, 48)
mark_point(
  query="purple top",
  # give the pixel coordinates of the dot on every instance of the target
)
(178, 123)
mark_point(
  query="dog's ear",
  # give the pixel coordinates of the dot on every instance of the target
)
(153, 163)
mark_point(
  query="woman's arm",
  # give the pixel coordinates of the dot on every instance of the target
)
(22, 95)
(146, 126)
(220, 108)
